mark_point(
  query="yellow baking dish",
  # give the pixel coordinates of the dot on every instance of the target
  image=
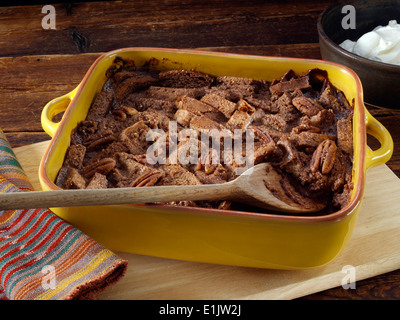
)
(264, 240)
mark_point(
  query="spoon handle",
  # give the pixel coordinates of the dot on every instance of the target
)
(73, 198)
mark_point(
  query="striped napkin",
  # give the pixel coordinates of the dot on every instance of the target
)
(41, 256)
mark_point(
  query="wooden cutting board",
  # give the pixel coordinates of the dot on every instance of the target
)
(373, 249)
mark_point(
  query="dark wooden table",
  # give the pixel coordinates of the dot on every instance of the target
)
(40, 64)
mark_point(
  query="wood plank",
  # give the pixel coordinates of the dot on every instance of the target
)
(19, 139)
(160, 24)
(373, 249)
(29, 82)
(381, 287)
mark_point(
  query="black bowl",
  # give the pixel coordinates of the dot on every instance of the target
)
(381, 81)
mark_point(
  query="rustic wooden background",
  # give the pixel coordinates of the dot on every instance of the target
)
(38, 65)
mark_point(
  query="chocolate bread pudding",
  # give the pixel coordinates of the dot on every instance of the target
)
(184, 127)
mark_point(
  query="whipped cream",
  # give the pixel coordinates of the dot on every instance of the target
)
(381, 44)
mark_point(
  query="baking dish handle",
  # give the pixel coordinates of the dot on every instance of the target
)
(378, 131)
(53, 108)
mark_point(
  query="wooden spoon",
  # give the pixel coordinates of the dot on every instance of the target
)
(249, 187)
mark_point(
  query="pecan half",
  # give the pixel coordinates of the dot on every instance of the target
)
(146, 180)
(244, 106)
(225, 205)
(119, 115)
(262, 134)
(100, 142)
(324, 157)
(123, 112)
(307, 106)
(103, 166)
(129, 110)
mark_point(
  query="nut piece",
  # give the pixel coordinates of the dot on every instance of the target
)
(129, 110)
(102, 166)
(307, 106)
(146, 180)
(324, 157)
(99, 142)
(119, 115)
